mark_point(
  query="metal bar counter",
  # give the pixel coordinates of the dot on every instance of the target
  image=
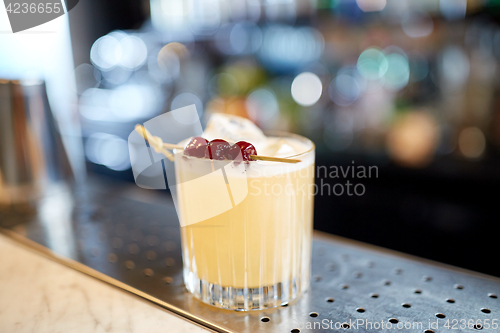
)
(130, 238)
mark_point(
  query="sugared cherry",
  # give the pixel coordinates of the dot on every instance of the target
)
(216, 149)
(232, 152)
(247, 149)
(196, 147)
(219, 149)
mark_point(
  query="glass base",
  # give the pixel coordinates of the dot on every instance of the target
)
(244, 299)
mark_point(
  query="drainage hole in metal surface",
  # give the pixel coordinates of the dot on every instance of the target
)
(265, 319)
(168, 280)
(374, 295)
(346, 325)
(129, 264)
(345, 286)
(418, 291)
(393, 321)
(317, 278)
(170, 262)
(450, 300)
(406, 305)
(427, 278)
(478, 327)
(313, 314)
(330, 300)
(360, 310)
(428, 331)
(151, 255)
(387, 283)
(295, 330)
(440, 315)
(358, 275)
(459, 286)
(284, 304)
(112, 257)
(492, 295)
(484, 310)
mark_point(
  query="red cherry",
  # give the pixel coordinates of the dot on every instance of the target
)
(232, 152)
(247, 149)
(196, 147)
(216, 149)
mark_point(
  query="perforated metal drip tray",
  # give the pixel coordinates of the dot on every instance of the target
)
(133, 242)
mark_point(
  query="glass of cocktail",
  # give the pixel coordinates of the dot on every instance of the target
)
(254, 251)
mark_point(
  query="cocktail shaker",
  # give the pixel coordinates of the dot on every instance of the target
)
(32, 154)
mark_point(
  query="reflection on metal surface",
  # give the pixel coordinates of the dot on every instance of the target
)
(350, 281)
(54, 212)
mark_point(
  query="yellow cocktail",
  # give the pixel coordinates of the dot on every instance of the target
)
(255, 253)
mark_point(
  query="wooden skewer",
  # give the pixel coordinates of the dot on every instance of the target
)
(172, 146)
(161, 147)
(154, 141)
(273, 159)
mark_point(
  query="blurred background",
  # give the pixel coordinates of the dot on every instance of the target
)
(411, 87)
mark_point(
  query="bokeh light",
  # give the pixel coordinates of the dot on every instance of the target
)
(223, 84)
(239, 38)
(455, 67)
(228, 105)
(372, 64)
(471, 142)
(287, 48)
(413, 139)
(263, 108)
(238, 78)
(168, 63)
(205, 17)
(130, 102)
(371, 5)
(306, 89)
(417, 24)
(453, 9)
(117, 75)
(94, 104)
(344, 90)
(106, 52)
(125, 103)
(185, 99)
(108, 150)
(118, 49)
(134, 52)
(398, 72)
(167, 15)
